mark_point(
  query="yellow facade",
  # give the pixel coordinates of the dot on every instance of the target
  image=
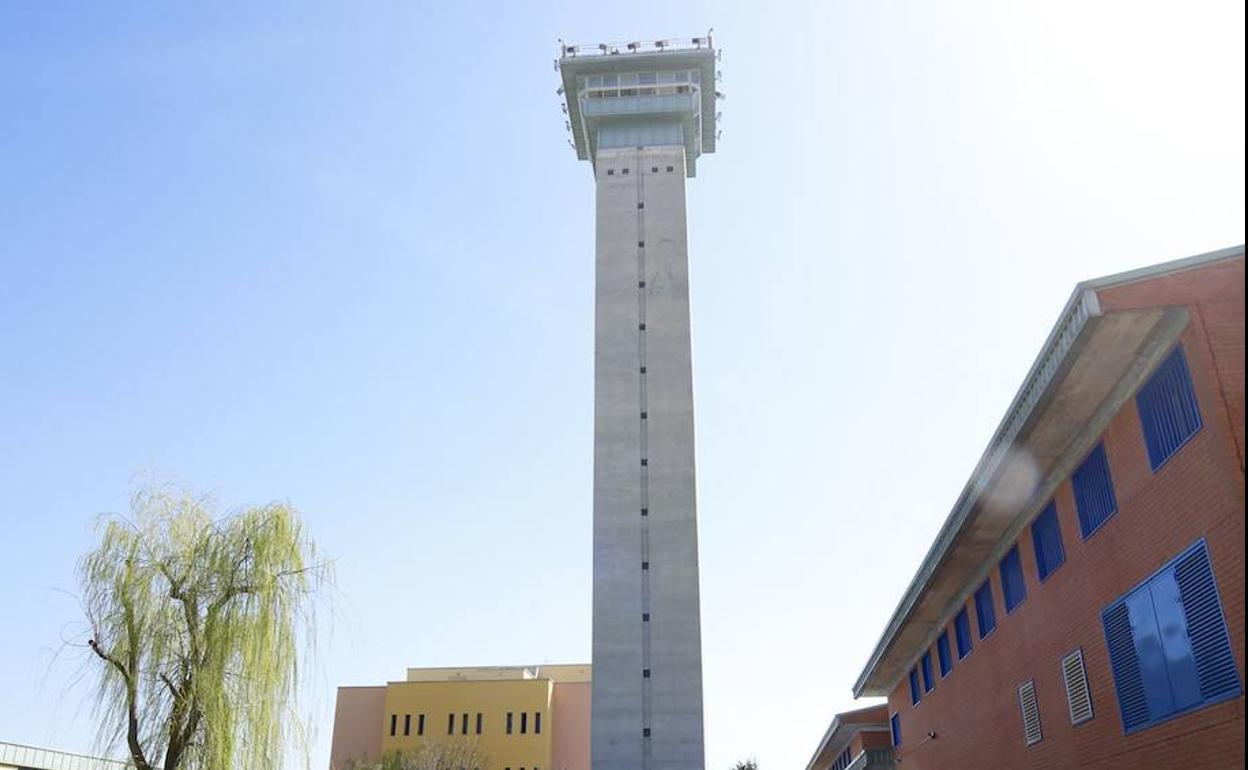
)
(504, 712)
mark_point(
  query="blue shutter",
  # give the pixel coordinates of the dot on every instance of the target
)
(1094, 491)
(1046, 536)
(914, 687)
(926, 664)
(895, 724)
(1168, 645)
(962, 630)
(985, 612)
(1013, 586)
(1125, 665)
(1206, 627)
(943, 654)
(1169, 415)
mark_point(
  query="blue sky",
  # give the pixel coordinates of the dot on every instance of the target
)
(342, 255)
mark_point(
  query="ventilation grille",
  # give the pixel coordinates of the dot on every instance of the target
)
(1078, 697)
(1031, 713)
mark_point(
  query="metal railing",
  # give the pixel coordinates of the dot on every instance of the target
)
(567, 50)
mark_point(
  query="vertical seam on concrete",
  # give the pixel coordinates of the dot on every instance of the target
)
(643, 407)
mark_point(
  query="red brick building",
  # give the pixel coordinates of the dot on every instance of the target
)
(856, 740)
(1083, 604)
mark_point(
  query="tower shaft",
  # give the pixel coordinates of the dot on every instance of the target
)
(647, 691)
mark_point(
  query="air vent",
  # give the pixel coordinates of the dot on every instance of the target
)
(1031, 712)
(1078, 697)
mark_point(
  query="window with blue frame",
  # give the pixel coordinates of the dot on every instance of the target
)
(1094, 491)
(962, 633)
(985, 612)
(1169, 414)
(895, 723)
(925, 663)
(943, 655)
(915, 696)
(1169, 649)
(1013, 586)
(1046, 536)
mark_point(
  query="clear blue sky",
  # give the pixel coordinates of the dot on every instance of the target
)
(341, 254)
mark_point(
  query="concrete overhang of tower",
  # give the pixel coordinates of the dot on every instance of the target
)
(576, 62)
(1090, 365)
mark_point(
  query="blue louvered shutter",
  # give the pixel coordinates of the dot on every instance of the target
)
(1206, 626)
(1013, 586)
(985, 612)
(943, 653)
(926, 664)
(914, 687)
(1125, 664)
(1169, 414)
(895, 723)
(962, 631)
(1168, 644)
(1094, 491)
(1046, 536)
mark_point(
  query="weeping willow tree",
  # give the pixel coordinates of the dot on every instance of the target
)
(198, 625)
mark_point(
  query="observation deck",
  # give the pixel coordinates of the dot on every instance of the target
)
(641, 94)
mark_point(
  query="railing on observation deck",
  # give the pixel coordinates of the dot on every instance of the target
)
(567, 51)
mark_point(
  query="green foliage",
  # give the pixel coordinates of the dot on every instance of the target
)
(747, 764)
(198, 626)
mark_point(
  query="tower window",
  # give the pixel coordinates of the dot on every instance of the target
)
(670, 169)
(645, 732)
(641, 327)
(654, 169)
(394, 724)
(450, 724)
(624, 171)
(645, 511)
(641, 204)
(643, 415)
(510, 719)
(643, 370)
(537, 725)
(645, 462)
(524, 722)
(645, 673)
(407, 724)
(641, 284)
(420, 725)
(480, 719)
(645, 617)
(641, 244)
(645, 565)
(610, 172)
(464, 725)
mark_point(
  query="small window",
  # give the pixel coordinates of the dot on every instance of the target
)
(645, 673)
(962, 633)
(1169, 414)
(645, 617)
(645, 732)
(985, 612)
(642, 370)
(644, 462)
(641, 205)
(394, 724)
(1046, 536)
(670, 169)
(407, 724)
(464, 725)
(645, 565)
(643, 415)
(420, 725)
(624, 170)
(1094, 491)
(645, 511)
(480, 722)
(915, 695)
(895, 723)
(450, 724)
(1013, 586)
(537, 725)
(510, 718)
(524, 722)
(610, 172)
(641, 327)
(925, 664)
(641, 244)
(641, 284)
(943, 654)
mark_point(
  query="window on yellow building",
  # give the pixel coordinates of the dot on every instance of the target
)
(510, 717)
(524, 722)
(537, 725)
(407, 724)
(480, 719)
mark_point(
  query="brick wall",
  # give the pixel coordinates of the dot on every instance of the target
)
(974, 712)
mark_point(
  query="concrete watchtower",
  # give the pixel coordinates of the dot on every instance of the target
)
(642, 114)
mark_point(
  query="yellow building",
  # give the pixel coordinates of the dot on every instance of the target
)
(515, 718)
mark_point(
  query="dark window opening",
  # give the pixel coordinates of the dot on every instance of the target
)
(645, 673)
(407, 724)
(394, 724)
(537, 725)
(479, 721)
(524, 722)
(510, 718)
